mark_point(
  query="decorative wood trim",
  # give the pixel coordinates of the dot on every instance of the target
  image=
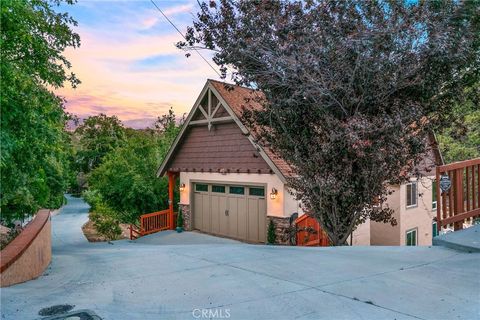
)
(208, 89)
(214, 120)
(249, 136)
(161, 170)
(219, 104)
(203, 111)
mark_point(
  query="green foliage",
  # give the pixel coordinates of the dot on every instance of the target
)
(106, 221)
(98, 135)
(93, 198)
(461, 140)
(35, 149)
(126, 178)
(180, 219)
(271, 236)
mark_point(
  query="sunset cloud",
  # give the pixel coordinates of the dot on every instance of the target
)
(128, 63)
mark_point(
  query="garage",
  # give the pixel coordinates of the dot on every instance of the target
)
(234, 211)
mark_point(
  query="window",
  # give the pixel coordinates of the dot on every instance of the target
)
(260, 192)
(411, 194)
(411, 237)
(434, 229)
(434, 195)
(237, 190)
(201, 187)
(218, 189)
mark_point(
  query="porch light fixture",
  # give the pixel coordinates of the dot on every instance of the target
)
(182, 186)
(273, 194)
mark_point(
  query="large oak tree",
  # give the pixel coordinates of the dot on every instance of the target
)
(352, 89)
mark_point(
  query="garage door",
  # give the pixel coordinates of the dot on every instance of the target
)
(232, 211)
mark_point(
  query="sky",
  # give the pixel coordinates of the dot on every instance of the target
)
(128, 63)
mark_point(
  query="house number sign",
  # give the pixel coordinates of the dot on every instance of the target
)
(445, 183)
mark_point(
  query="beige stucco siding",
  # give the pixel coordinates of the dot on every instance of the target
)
(419, 217)
(383, 234)
(283, 206)
(361, 235)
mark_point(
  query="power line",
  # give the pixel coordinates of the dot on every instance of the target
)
(178, 30)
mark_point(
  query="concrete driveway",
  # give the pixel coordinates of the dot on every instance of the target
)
(194, 276)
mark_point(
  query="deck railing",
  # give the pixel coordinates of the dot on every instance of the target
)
(152, 222)
(309, 233)
(461, 203)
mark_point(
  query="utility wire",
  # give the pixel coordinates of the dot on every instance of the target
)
(178, 30)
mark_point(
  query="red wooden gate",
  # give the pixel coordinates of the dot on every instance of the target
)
(461, 203)
(309, 233)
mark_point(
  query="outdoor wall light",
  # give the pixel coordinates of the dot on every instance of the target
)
(273, 194)
(182, 186)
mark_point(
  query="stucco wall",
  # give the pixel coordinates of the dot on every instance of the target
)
(361, 235)
(419, 217)
(283, 206)
(28, 255)
(383, 234)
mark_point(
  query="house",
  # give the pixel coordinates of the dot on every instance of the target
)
(232, 187)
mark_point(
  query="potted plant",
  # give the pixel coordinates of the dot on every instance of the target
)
(179, 227)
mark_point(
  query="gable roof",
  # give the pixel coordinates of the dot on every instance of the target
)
(241, 98)
(234, 99)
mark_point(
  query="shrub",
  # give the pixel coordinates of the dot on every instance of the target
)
(106, 222)
(93, 198)
(271, 236)
(179, 219)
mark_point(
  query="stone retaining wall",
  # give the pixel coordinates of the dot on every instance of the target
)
(29, 254)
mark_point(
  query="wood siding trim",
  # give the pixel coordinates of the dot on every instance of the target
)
(210, 88)
(161, 170)
(222, 149)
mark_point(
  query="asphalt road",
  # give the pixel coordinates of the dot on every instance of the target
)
(195, 276)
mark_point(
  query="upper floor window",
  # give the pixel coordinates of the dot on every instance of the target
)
(434, 195)
(412, 195)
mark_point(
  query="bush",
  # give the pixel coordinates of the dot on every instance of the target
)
(106, 222)
(93, 198)
(179, 219)
(271, 236)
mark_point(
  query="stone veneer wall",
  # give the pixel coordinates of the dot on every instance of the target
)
(29, 254)
(187, 216)
(281, 229)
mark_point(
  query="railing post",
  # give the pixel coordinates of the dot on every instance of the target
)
(171, 185)
(439, 200)
(459, 205)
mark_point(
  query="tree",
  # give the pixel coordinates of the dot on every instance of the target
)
(350, 89)
(126, 179)
(461, 139)
(98, 135)
(35, 148)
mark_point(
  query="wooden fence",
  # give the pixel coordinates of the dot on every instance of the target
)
(309, 233)
(152, 222)
(461, 202)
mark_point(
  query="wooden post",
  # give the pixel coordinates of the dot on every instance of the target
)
(458, 194)
(439, 200)
(171, 185)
